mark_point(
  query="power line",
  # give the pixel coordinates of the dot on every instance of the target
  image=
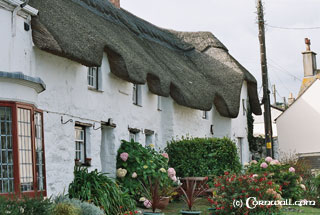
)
(282, 69)
(293, 28)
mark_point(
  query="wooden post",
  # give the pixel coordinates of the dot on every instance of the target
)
(266, 91)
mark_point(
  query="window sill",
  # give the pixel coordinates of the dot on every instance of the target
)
(95, 90)
(137, 105)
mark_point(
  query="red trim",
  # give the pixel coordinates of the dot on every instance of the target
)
(16, 165)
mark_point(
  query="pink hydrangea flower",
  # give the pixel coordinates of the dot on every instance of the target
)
(275, 162)
(291, 169)
(264, 165)
(147, 204)
(171, 172)
(268, 159)
(134, 175)
(174, 178)
(165, 155)
(253, 162)
(124, 156)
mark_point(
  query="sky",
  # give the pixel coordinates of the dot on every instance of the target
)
(234, 23)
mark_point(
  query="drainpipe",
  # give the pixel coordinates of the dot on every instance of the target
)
(14, 16)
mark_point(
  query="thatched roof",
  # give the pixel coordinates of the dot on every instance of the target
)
(174, 64)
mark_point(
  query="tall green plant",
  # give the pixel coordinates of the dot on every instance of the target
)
(98, 188)
(203, 156)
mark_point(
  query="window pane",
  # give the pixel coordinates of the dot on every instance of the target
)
(39, 151)
(25, 150)
(79, 143)
(6, 153)
(93, 77)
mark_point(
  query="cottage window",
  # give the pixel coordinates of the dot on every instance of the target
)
(80, 144)
(132, 136)
(22, 150)
(244, 109)
(159, 103)
(204, 114)
(239, 147)
(136, 95)
(93, 75)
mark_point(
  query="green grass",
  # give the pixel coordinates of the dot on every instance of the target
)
(203, 205)
(304, 211)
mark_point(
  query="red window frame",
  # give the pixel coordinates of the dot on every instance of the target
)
(15, 146)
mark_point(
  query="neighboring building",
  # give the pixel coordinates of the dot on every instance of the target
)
(298, 130)
(258, 127)
(79, 76)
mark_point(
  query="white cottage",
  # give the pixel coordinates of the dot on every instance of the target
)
(78, 76)
(298, 126)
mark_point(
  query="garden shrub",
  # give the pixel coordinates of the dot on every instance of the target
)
(231, 187)
(136, 163)
(282, 174)
(66, 209)
(203, 156)
(85, 208)
(99, 189)
(26, 205)
(312, 192)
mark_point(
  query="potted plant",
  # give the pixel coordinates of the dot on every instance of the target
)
(191, 190)
(152, 192)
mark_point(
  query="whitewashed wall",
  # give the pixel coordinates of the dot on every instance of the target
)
(298, 126)
(67, 95)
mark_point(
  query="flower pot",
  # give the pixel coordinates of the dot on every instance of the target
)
(190, 212)
(77, 162)
(88, 162)
(151, 213)
(164, 201)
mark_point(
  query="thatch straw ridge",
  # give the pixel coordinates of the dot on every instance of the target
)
(178, 64)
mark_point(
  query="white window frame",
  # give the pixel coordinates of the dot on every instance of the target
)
(93, 77)
(132, 136)
(204, 114)
(244, 107)
(136, 94)
(240, 147)
(80, 149)
(159, 103)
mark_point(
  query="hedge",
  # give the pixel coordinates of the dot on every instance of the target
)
(200, 157)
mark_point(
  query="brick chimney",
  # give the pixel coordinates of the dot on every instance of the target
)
(309, 60)
(116, 3)
(291, 99)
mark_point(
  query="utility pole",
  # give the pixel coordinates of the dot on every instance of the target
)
(274, 94)
(266, 91)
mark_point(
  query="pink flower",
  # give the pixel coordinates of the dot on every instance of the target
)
(264, 165)
(171, 172)
(134, 175)
(147, 204)
(173, 178)
(124, 156)
(165, 155)
(275, 162)
(291, 169)
(253, 162)
(268, 159)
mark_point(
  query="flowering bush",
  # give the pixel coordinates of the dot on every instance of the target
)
(231, 187)
(282, 174)
(136, 163)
